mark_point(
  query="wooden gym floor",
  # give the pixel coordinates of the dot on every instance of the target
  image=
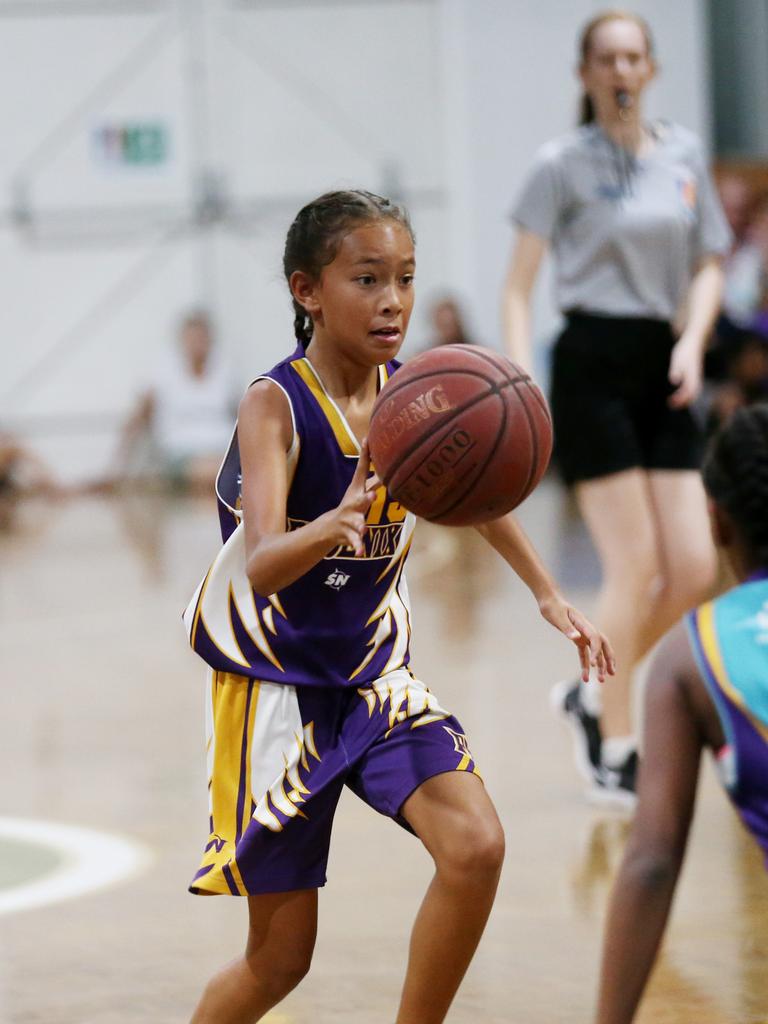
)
(102, 728)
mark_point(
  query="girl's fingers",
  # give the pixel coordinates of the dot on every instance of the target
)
(600, 667)
(594, 648)
(584, 659)
(586, 630)
(355, 542)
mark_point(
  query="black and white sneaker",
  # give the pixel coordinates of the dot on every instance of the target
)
(565, 699)
(617, 787)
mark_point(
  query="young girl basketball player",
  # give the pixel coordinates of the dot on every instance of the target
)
(305, 623)
(708, 687)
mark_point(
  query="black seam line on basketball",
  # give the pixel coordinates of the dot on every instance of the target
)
(439, 443)
(398, 386)
(446, 511)
(394, 386)
(540, 399)
(487, 359)
(494, 390)
(534, 445)
(458, 501)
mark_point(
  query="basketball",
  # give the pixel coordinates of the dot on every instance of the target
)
(460, 435)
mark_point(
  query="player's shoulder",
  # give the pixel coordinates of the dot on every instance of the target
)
(269, 394)
(673, 656)
(675, 681)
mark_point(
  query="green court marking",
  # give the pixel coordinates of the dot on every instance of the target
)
(22, 861)
(43, 862)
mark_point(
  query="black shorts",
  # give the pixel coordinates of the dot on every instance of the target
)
(610, 389)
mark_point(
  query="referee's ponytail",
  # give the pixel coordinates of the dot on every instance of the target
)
(586, 109)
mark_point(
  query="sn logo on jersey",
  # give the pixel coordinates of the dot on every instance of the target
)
(337, 579)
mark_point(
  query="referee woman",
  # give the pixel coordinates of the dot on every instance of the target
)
(638, 237)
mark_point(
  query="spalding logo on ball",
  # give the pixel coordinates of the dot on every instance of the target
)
(460, 435)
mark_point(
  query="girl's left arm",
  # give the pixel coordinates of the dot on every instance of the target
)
(645, 883)
(704, 299)
(507, 537)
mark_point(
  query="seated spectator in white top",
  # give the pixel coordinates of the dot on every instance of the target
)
(22, 473)
(187, 410)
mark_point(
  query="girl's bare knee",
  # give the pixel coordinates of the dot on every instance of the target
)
(476, 851)
(274, 981)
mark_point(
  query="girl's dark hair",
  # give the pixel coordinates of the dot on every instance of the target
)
(587, 109)
(314, 237)
(736, 475)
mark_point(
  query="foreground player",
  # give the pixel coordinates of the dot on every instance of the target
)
(708, 688)
(305, 623)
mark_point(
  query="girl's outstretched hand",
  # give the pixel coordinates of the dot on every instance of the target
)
(594, 649)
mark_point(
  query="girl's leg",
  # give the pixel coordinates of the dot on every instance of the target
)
(619, 514)
(281, 938)
(688, 557)
(453, 816)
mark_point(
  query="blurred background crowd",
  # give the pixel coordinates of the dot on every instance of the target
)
(184, 401)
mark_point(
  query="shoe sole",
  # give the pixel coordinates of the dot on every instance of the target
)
(557, 697)
(612, 799)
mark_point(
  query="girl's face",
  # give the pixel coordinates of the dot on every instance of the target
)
(363, 299)
(618, 61)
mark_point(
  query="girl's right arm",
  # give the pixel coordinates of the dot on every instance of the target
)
(524, 266)
(275, 557)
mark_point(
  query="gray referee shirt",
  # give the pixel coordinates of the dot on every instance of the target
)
(627, 233)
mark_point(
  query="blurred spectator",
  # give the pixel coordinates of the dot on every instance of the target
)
(22, 472)
(736, 198)
(747, 268)
(744, 270)
(187, 412)
(738, 361)
(449, 327)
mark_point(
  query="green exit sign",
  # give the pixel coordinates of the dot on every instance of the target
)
(133, 143)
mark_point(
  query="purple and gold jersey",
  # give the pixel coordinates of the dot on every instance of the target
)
(345, 622)
(730, 639)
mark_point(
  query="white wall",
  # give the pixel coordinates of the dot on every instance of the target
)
(299, 97)
(282, 101)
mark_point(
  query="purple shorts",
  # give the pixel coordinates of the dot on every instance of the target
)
(278, 757)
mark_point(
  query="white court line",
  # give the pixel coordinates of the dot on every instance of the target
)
(90, 860)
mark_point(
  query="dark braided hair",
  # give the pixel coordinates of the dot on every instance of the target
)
(313, 238)
(736, 476)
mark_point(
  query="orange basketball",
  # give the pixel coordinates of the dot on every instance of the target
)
(460, 435)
